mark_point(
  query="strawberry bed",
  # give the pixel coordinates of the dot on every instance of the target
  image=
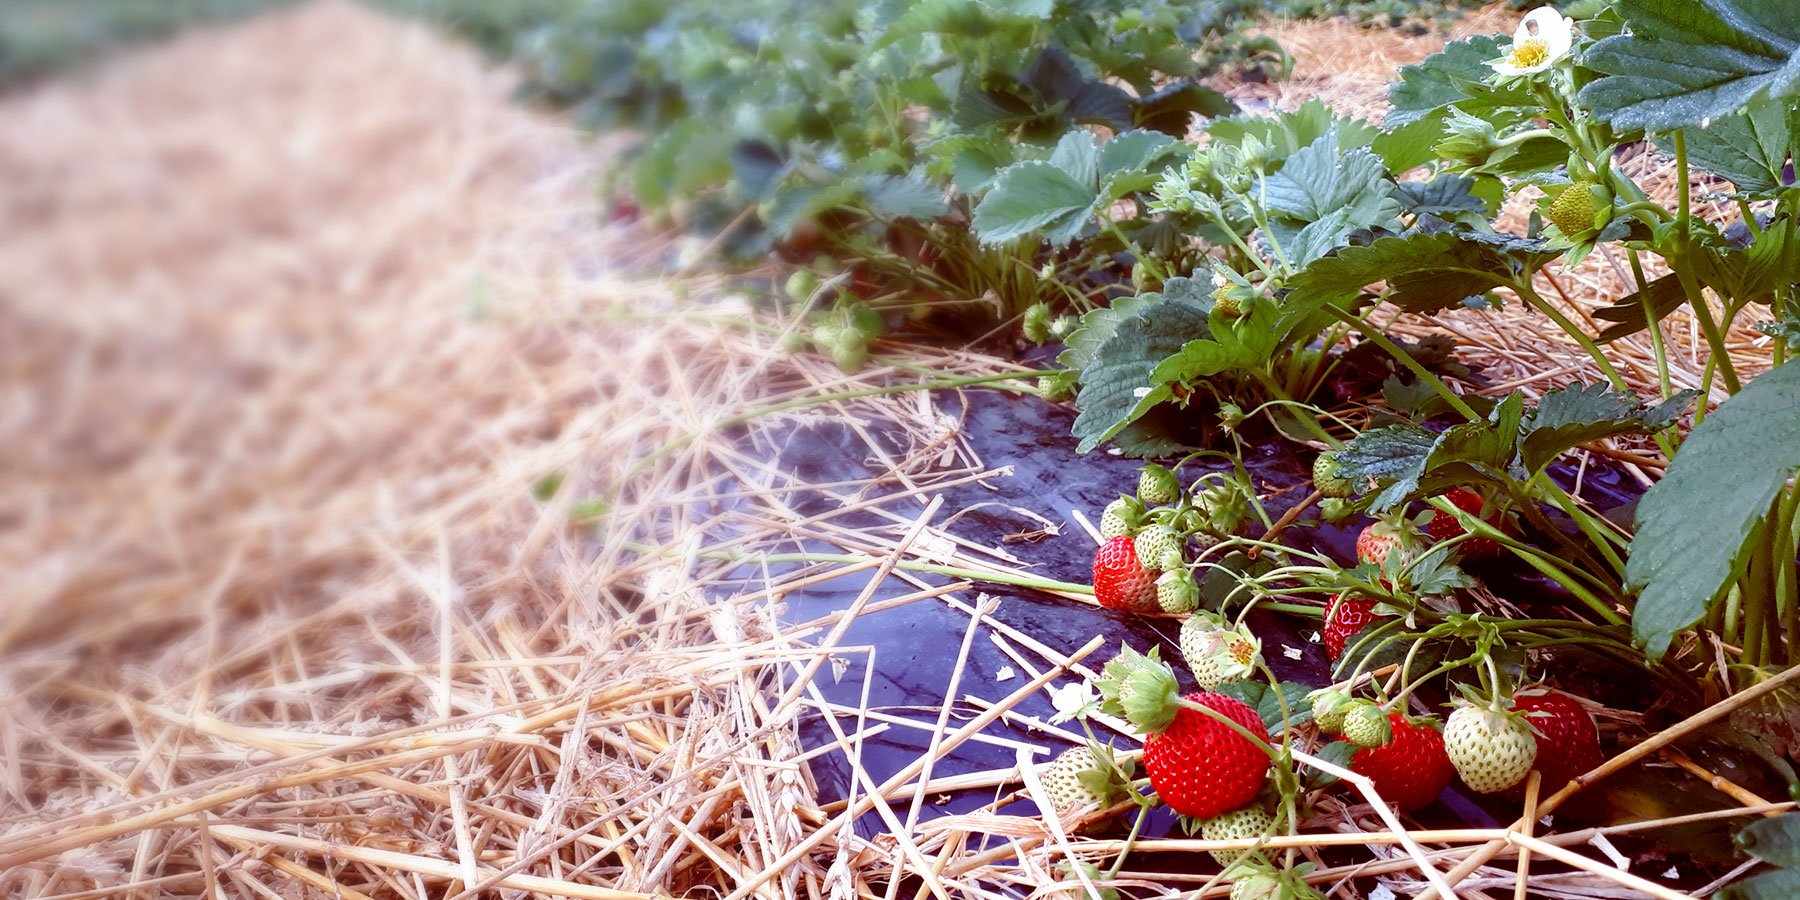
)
(914, 643)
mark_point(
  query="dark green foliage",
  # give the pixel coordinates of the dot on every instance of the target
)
(39, 37)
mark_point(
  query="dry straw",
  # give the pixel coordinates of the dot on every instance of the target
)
(297, 314)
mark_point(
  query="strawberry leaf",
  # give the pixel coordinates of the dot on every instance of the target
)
(1666, 295)
(1117, 388)
(1692, 525)
(1782, 884)
(1578, 413)
(1287, 133)
(1330, 191)
(1098, 326)
(1259, 696)
(1172, 109)
(1447, 196)
(1031, 197)
(1775, 841)
(1688, 62)
(1455, 76)
(1394, 456)
(1750, 149)
(1337, 753)
(1425, 272)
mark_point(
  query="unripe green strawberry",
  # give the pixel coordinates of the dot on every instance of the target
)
(1326, 478)
(1247, 823)
(1573, 210)
(1037, 323)
(1157, 547)
(1491, 747)
(1329, 707)
(1176, 591)
(801, 284)
(1121, 518)
(1057, 386)
(1216, 652)
(1365, 725)
(1157, 485)
(1224, 506)
(1260, 884)
(1066, 875)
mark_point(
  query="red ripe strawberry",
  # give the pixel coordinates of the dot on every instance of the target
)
(1444, 527)
(1199, 766)
(1343, 620)
(1120, 581)
(1377, 540)
(1411, 769)
(1568, 742)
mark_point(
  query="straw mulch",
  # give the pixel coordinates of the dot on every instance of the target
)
(299, 316)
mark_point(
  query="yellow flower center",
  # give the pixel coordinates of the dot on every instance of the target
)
(1242, 652)
(1530, 53)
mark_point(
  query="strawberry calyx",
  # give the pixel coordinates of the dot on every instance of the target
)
(1141, 688)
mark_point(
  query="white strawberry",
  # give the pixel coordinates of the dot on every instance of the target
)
(1491, 746)
(1240, 824)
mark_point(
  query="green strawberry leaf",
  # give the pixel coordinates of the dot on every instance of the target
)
(1172, 109)
(1689, 62)
(1393, 455)
(1579, 413)
(1435, 575)
(1286, 133)
(1234, 344)
(1692, 525)
(1098, 326)
(1750, 149)
(1455, 75)
(1666, 295)
(904, 197)
(1348, 188)
(1775, 841)
(1337, 753)
(1061, 196)
(1030, 197)
(1117, 387)
(1783, 884)
(1267, 702)
(1447, 196)
(1753, 273)
(1408, 462)
(1425, 272)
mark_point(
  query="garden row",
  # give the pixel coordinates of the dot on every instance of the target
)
(1070, 174)
(40, 37)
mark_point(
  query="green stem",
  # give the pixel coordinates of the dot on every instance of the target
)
(1130, 839)
(1715, 341)
(1234, 726)
(1669, 439)
(1787, 573)
(1024, 581)
(1423, 374)
(1531, 297)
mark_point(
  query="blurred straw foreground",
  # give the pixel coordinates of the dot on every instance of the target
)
(295, 315)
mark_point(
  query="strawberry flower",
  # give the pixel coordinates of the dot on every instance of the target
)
(1543, 38)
